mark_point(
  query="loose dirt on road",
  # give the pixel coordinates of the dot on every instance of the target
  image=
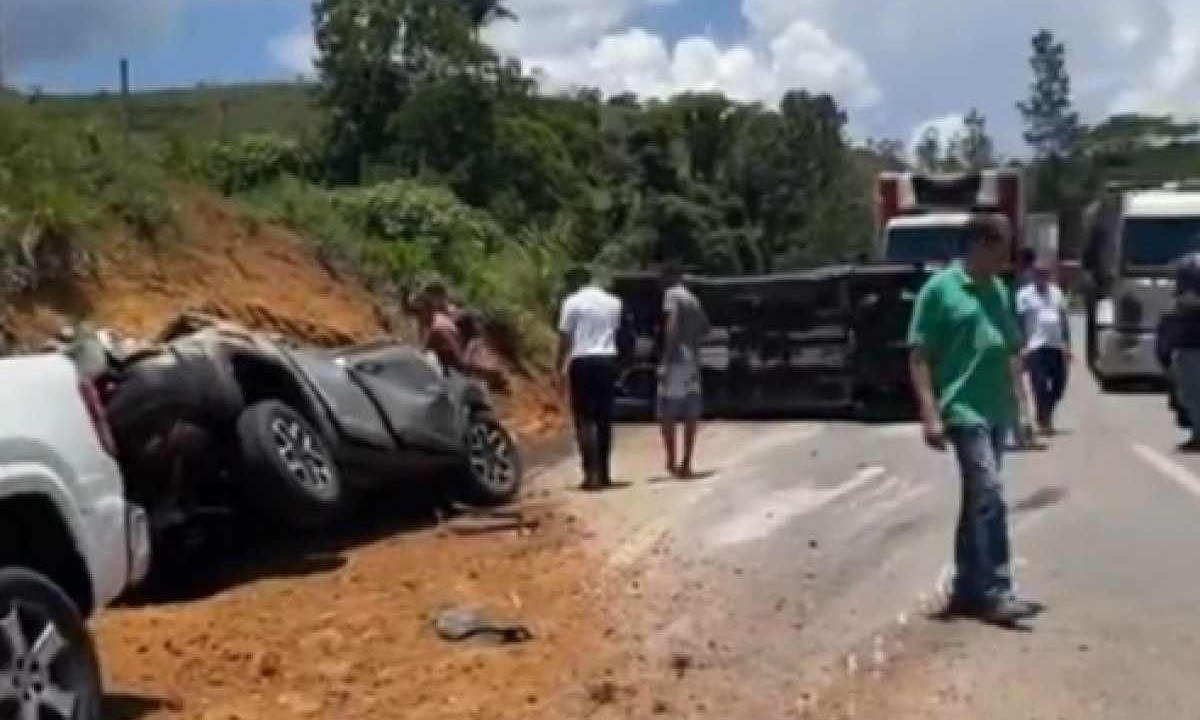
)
(349, 634)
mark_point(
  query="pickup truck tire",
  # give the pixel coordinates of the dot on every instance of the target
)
(287, 466)
(47, 660)
(493, 473)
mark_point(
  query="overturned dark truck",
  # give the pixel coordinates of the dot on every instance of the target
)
(826, 342)
(829, 341)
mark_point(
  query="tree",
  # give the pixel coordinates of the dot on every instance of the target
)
(1052, 125)
(929, 150)
(484, 12)
(371, 56)
(976, 150)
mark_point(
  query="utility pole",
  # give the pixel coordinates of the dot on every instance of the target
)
(125, 118)
(2, 48)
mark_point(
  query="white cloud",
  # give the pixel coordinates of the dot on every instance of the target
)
(295, 51)
(1172, 83)
(576, 43)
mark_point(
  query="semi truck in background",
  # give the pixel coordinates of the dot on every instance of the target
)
(922, 219)
(1135, 235)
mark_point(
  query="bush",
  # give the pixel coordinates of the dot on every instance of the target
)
(59, 182)
(253, 160)
(401, 233)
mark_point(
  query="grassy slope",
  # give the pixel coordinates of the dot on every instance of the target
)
(202, 113)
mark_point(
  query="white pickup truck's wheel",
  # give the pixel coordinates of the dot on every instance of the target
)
(48, 666)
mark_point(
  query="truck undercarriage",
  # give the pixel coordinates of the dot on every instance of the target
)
(828, 342)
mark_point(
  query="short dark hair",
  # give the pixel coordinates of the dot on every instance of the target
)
(577, 276)
(987, 228)
(436, 288)
(672, 269)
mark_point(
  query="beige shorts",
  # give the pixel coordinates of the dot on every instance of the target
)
(679, 396)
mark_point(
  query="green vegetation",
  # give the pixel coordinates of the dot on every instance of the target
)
(59, 185)
(420, 152)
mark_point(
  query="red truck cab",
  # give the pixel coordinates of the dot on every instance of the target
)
(921, 218)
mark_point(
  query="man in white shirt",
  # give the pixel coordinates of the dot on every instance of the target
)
(587, 360)
(1043, 311)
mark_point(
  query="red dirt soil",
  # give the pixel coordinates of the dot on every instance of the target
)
(325, 639)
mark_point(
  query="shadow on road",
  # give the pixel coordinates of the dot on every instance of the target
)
(1044, 497)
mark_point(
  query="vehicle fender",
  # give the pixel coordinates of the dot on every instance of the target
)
(35, 477)
(274, 375)
(475, 397)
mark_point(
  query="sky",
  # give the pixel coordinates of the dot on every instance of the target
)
(897, 66)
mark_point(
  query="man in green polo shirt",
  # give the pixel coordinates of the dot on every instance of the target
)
(966, 370)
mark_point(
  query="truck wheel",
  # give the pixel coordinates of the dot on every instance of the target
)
(287, 467)
(48, 665)
(493, 473)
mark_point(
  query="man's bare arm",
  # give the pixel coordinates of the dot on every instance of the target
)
(564, 353)
(1016, 372)
(922, 380)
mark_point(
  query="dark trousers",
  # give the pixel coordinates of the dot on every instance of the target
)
(593, 387)
(1048, 375)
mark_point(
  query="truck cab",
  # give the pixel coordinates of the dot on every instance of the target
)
(1135, 238)
(921, 219)
(934, 239)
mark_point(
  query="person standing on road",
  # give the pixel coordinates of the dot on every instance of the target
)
(1179, 344)
(1042, 307)
(966, 370)
(679, 389)
(587, 360)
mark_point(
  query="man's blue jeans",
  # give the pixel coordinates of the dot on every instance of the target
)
(981, 553)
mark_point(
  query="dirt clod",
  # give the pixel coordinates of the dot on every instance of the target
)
(603, 693)
(681, 663)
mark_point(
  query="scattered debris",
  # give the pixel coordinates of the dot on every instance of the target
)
(458, 624)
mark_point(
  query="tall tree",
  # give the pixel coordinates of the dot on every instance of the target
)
(484, 12)
(371, 56)
(929, 150)
(1052, 125)
(976, 150)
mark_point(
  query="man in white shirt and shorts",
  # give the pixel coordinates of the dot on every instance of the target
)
(587, 360)
(680, 399)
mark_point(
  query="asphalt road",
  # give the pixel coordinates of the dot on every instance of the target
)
(800, 579)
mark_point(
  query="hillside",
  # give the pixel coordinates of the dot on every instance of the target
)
(224, 262)
(201, 113)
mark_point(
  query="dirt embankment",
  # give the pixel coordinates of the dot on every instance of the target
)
(223, 262)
